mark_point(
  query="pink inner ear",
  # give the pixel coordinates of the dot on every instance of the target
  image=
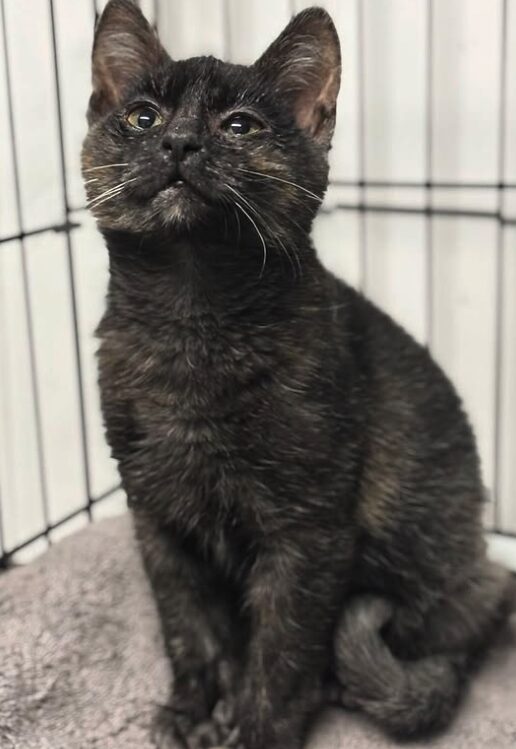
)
(103, 82)
(117, 63)
(305, 112)
(315, 104)
(125, 48)
(305, 60)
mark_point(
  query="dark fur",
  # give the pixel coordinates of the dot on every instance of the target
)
(293, 459)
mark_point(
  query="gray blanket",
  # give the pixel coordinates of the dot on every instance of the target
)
(82, 664)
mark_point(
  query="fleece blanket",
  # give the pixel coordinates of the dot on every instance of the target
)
(82, 663)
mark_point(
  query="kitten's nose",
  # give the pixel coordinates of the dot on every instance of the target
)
(181, 145)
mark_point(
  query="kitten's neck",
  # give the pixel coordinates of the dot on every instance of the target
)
(155, 279)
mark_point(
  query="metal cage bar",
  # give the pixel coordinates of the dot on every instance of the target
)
(361, 117)
(226, 30)
(4, 560)
(70, 267)
(500, 239)
(429, 225)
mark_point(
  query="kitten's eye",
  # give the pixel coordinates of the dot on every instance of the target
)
(143, 118)
(241, 124)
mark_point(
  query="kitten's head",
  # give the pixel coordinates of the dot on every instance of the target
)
(199, 143)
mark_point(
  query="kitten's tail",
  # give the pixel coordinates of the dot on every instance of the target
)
(407, 698)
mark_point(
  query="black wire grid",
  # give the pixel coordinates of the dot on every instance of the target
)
(362, 207)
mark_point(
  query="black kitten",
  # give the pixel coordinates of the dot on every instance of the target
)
(304, 483)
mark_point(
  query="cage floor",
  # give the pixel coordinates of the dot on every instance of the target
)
(83, 665)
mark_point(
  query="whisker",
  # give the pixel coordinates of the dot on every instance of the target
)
(112, 195)
(295, 248)
(272, 231)
(231, 204)
(238, 222)
(255, 226)
(287, 253)
(103, 194)
(324, 309)
(280, 179)
(104, 166)
(121, 185)
(273, 237)
(248, 204)
(253, 209)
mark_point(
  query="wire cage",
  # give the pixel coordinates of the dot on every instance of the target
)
(420, 214)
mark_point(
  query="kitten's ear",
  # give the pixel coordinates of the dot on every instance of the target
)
(125, 48)
(303, 63)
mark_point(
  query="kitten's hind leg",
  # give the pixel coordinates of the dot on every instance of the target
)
(408, 671)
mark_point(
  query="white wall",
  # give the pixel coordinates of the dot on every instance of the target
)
(448, 280)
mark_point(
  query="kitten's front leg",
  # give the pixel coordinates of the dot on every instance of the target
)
(197, 631)
(295, 594)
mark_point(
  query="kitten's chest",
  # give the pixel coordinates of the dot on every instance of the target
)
(195, 405)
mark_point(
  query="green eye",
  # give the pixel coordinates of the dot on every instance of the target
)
(144, 118)
(241, 124)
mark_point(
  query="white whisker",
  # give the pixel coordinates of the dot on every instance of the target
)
(114, 194)
(104, 166)
(115, 188)
(238, 222)
(253, 223)
(286, 181)
(248, 203)
(274, 237)
(287, 253)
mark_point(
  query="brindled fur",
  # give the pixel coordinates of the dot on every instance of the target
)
(304, 482)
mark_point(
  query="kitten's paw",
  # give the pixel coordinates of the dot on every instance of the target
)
(223, 717)
(212, 735)
(176, 730)
(169, 729)
(206, 735)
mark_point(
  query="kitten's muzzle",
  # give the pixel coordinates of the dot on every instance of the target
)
(175, 175)
(181, 178)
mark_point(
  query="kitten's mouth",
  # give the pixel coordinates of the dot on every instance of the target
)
(175, 179)
(174, 184)
(178, 183)
(180, 198)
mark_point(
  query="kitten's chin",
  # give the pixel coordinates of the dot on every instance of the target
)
(178, 206)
